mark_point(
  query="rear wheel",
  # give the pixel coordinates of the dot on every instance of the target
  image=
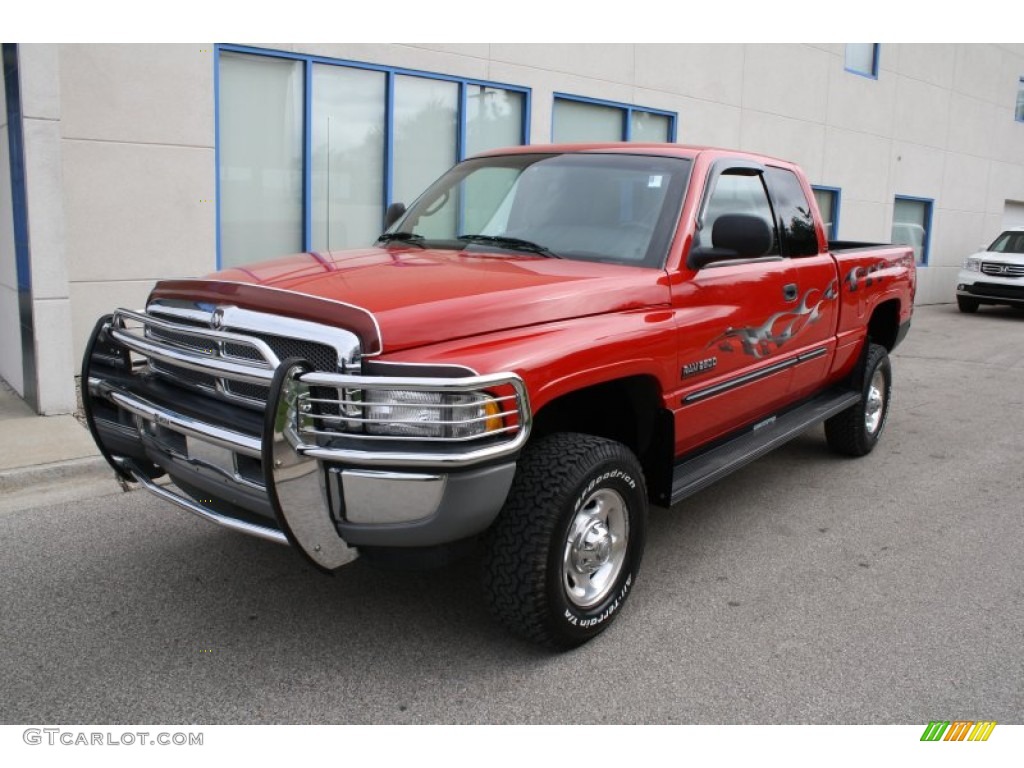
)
(565, 551)
(856, 431)
(966, 305)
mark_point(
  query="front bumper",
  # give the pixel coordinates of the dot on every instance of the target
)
(264, 475)
(990, 289)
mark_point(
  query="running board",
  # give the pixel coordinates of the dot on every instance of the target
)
(696, 474)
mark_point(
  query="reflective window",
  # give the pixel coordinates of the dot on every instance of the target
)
(261, 163)
(426, 125)
(796, 221)
(494, 118)
(1008, 242)
(828, 204)
(1019, 114)
(317, 173)
(647, 126)
(862, 58)
(577, 121)
(348, 156)
(911, 224)
(584, 120)
(742, 192)
(587, 206)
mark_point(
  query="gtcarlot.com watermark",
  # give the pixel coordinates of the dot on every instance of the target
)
(69, 738)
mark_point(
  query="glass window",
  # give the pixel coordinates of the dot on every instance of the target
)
(585, 121)
(862, 58)
(828, 204)
(1008, 242)
(261, 162)
(578, 121)
(591, 206)
(796, 222)
(426, 125)
(647, 126)
(737, 192)
(911, 224)
(348, 156)
(1019, 114)
(278, 196)
(494, 118)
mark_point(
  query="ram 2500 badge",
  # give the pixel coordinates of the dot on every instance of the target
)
(548, 340)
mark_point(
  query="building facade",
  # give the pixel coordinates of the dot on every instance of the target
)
(124, 164)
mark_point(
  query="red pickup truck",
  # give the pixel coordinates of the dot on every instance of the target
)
(548, 340)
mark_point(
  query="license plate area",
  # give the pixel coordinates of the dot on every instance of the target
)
(210, 454)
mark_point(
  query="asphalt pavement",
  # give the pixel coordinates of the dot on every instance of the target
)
(807, 588)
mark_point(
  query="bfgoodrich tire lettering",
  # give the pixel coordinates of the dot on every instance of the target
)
(856, 431)
(563, 556)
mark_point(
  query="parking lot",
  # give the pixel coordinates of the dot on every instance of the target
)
(807, 588)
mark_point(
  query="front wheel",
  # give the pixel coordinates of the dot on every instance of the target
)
(966, 305)
(565, 551)
(856, 431)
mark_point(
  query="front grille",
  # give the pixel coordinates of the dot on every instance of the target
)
(999, 269)
(178, 375)
(235, 361)
(321, 356)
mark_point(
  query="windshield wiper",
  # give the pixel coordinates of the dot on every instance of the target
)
(402, 237)
(512, 243)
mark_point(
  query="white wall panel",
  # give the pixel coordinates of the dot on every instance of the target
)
(789, 80)
(138, 211)
(153, 94)
(710, 72)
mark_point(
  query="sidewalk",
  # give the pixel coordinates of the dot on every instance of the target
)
(46, 459)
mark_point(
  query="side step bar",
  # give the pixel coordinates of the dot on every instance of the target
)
(696, 474)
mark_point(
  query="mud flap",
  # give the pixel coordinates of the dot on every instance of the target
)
(293, 480)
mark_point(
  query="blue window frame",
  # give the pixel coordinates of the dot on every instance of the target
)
(1019, 113)
(828, 199)
(630, 119)
(862, 59)
(467, 103)
(912, 225)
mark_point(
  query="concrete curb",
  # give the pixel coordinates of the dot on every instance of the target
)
(20, 478)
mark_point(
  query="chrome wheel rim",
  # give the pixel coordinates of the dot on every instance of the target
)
(875, 406)
(595, 548)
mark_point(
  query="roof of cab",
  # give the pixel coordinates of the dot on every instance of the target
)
(690, 151)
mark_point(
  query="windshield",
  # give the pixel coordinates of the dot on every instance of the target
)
(593, 207)
(1009, 242)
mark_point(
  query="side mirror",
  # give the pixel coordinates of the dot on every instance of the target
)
(394, 212)
(734, 236)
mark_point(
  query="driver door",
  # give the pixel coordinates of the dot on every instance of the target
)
(732, 318)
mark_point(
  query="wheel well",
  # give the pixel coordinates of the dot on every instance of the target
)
(629, 411)
(885, 324)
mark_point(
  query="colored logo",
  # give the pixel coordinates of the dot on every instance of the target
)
(958, 730)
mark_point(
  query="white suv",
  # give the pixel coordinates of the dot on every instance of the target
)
(994, 275)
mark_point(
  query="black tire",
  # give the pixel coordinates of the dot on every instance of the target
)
(551, 572)
(966, 305)
(856, 431)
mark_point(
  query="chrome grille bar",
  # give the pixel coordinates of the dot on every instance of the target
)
(1001, 269)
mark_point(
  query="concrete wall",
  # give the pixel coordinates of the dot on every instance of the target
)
(139, 171)
(122, 167)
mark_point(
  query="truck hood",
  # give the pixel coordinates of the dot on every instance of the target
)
(418, 297)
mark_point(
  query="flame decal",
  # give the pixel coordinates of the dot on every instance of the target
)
(761, 341)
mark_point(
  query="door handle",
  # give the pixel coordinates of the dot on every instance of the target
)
(789, 292)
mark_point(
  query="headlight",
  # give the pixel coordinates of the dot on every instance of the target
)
(401, 413)
(972, 264)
